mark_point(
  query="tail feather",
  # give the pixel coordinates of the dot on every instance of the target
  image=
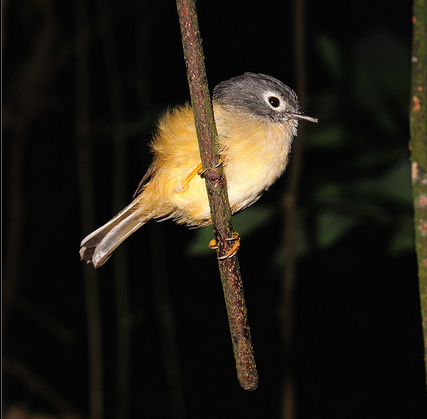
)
(97, 247)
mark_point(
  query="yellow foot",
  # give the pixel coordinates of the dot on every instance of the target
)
(212, 244)
(231, 252)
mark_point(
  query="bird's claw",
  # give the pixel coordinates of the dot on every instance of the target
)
(202, 172)
(231, 252)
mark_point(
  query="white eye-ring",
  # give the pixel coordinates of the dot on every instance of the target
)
(274, 100)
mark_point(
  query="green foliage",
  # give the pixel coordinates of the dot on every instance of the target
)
(373, 182)
(346, 204)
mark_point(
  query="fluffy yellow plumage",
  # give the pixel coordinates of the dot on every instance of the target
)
(256, 118)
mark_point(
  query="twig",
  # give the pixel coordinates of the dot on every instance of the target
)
(290, 203)
(217, 192)
(83, 132)
(40, 387)
(44, 321)
(418, 123)
(167, 326)
(121, 277)
(20, 109)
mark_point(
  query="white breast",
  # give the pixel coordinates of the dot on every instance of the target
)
(257, 154)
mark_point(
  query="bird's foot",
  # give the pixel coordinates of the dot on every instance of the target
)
(221, 162)
(232, 251)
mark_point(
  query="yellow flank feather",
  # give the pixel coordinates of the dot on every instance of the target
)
(176, 155)
(255, 153)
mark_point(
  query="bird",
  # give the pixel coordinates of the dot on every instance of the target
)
(256, 116)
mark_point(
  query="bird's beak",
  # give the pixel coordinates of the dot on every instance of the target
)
(301, 116)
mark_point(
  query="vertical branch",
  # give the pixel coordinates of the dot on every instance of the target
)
(118, 114)
(15, 220)
(290, 216)
(39, 387)
(418, 125)
(158, 257)
(19, 110)
(167, 325)
(96, 399)
(217, 192)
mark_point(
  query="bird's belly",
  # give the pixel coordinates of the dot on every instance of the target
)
(250, 178)
(251, 167)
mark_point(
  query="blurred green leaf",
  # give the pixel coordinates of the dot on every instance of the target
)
(332, 135)
(331, 55)
(404, 236)
(380, 158)
(394, 185)
(199, 245)
(381, 78)
(332, 226)
(342, 198)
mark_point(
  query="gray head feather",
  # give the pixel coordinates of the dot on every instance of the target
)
(257, 94)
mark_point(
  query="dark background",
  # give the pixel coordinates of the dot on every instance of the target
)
(357, 340)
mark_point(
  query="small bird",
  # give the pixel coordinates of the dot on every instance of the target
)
(256, 117)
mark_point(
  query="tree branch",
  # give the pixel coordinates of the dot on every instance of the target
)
(418, 124)
(216, 186)
(84, 149)
(290, 208)
(40, 387)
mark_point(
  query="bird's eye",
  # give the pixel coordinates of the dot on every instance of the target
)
(274, 101)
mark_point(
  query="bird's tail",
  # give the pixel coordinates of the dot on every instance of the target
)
(97, 247)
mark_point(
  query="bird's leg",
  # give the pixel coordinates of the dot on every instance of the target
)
(231, 252)
(181, 187)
